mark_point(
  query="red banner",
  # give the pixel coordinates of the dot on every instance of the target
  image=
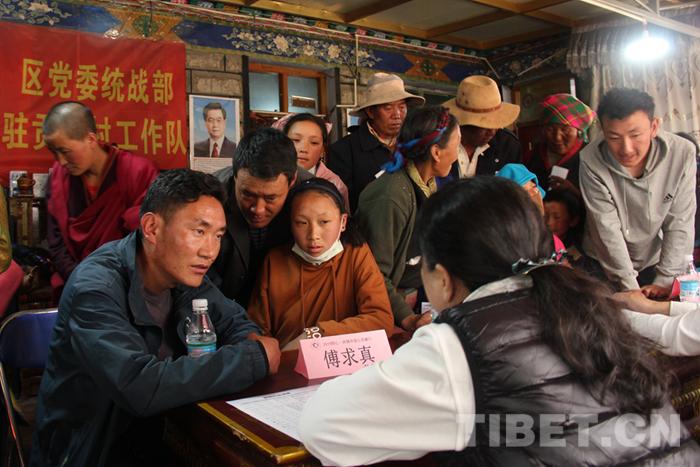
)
(135, 88)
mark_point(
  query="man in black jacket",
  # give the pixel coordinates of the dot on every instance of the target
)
(486, 145)
(358, 157)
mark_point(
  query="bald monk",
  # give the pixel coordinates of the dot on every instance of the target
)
(95, 189)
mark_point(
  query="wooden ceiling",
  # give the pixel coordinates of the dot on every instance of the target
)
(475, 24)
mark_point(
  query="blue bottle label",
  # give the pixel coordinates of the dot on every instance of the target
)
(689, 290)
(197, 350)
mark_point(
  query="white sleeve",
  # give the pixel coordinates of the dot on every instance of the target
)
(418, 401)
(678, 335)
(679, 308)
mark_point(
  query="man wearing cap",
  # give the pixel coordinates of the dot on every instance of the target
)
(566, 121)
(486, 145)
(358, 157)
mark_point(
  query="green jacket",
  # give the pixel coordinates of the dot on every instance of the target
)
(386, 214)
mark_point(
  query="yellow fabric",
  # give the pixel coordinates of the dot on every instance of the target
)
(343, 295)
(427, 188)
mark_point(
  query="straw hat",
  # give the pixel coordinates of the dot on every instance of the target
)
(383, 88)
(478, 103)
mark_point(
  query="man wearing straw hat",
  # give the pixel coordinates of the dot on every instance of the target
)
(482, 115)
(357, 158)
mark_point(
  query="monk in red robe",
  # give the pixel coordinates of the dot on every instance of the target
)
(95, 189)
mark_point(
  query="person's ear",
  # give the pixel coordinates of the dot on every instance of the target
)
(92, 138)
(655, 124)
(453, 290)
(343, 222)
(150, 226)
(294, 178)
(435, 153)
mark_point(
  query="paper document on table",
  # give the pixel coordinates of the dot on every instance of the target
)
(280, 410)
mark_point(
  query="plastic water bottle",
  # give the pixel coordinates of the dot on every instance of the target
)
(200, 335)
(689, 284)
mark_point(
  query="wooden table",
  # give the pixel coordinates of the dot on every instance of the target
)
(227, 436)
(215, 433)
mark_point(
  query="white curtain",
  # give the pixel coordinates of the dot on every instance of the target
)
(673, 82)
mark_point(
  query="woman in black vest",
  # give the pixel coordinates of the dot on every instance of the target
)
(554, 373)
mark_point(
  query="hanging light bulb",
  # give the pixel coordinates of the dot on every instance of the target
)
(647, 48)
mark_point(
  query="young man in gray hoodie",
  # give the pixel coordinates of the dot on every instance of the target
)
(638, 183)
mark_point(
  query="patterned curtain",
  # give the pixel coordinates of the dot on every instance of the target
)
(596, 53)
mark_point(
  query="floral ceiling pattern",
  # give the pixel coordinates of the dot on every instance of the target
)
(263, 33)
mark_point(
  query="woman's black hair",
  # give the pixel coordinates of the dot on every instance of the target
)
(580, 320)
(307, 117)
(351, 235)
(420, 122)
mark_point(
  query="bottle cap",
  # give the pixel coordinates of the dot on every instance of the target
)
(200, 304)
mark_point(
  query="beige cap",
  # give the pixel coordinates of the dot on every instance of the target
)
(383, 88)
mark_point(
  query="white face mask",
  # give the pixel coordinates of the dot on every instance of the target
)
(336, 248)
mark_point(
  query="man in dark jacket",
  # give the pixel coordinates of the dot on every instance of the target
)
(117, 356)
(358, 157)
(486, 146)
(257, 218)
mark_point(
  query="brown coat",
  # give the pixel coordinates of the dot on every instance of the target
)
(343, 295)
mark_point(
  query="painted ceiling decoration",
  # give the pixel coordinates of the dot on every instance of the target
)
(443, 43)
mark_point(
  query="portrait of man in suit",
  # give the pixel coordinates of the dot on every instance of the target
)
(217, 144)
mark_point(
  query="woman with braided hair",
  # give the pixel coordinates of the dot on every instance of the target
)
(388, 207)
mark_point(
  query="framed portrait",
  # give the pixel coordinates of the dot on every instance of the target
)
(214, 131)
